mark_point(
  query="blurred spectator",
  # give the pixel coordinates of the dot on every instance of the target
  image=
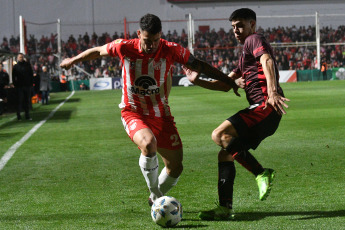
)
(4, 84)
(219, 48)
(82, 86)
(63, 81)
(23, 80)
(36, 83)
(45, 85)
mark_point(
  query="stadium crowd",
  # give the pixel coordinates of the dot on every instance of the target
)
(219, 48)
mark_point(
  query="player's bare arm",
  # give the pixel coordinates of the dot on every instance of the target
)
(89, 54)
(274, 99)
(193, 77)
(212, 72)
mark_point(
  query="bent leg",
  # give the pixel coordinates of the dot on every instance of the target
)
(223, 134)
(148, 160)
(227, 137)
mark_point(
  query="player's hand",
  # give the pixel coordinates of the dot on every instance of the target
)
(277, 102)
(191, 74)
(240, 82)
(66, 63)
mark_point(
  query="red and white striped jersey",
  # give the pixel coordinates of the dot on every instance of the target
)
(147, 77)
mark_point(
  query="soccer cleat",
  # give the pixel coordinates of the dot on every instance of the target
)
(218, 213)
(150, 202)
(264, 181)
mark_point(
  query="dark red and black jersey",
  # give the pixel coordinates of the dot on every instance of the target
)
(251, 69)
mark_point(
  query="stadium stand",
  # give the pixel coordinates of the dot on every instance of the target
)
(219, 48)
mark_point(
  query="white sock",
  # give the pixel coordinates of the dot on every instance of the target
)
(166, 182)
(149, 168)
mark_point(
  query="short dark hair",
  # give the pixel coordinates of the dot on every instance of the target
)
(244, 13)
(151, 23)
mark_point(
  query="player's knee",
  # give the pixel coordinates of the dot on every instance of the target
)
(148, 145)
(216, 136)
(221, 138)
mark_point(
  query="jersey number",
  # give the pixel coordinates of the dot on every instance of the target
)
(175, 140)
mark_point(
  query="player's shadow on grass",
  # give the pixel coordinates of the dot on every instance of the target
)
(181, 225)
(300, 215)
(69, 216)
(54, 217)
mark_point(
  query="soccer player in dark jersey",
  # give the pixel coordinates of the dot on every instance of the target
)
(145, 112)
(258, 74)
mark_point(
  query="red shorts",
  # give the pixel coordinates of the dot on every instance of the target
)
(164, 130)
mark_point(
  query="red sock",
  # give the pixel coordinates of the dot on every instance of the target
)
(247, 160)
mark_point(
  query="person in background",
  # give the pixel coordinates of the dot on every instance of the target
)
(36, 86)
(4, 84)
(45, 85)
(324, 69)
(23, 80)
(63, 82)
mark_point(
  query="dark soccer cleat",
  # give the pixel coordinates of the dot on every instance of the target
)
(150, 202)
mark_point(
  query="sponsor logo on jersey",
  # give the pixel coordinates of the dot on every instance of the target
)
(112, 44)
(133, 126)
(145, 85)
(172, 44)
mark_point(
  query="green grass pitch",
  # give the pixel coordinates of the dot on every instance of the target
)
(80, 170)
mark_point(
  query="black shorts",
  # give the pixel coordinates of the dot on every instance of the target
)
(254, 124)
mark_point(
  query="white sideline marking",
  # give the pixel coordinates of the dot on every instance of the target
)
(8, 155)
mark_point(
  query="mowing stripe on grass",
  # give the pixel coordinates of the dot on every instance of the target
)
(8, 155)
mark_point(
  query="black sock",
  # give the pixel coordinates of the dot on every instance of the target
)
(247, 160)
(226, 177)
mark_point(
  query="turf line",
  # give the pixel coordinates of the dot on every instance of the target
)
(10, 152)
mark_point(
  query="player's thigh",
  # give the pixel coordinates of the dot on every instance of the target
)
(172, 160)
(227, 128)
(223, 132)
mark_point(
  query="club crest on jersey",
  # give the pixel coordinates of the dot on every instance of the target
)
(157, 64)
(145, 85)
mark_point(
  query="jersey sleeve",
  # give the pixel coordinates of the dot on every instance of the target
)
(238, 70)
(114, 47)
(258, 46)
(180, 54)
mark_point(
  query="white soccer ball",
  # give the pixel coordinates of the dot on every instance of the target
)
(166, 211)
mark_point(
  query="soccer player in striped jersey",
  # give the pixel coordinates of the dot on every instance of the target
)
(146, 115)
(258, 74)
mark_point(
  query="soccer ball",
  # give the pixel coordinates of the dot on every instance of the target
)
(166, 211)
